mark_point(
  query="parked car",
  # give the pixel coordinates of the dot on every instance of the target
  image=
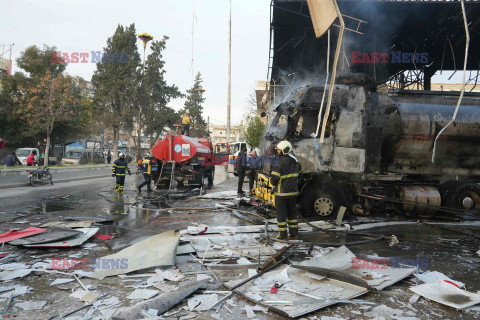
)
(83, 157)
(23, 153)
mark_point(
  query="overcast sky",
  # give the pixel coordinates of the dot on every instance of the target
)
(84, 26)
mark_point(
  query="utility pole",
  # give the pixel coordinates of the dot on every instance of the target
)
(145, 37)
(229, 97)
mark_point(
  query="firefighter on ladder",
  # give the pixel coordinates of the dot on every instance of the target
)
(186, 123)
(120, 168)
(284, 178)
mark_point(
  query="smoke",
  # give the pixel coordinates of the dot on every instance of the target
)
(388, 27)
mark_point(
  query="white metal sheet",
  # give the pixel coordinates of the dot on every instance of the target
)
(74, 241)
(159, 250)
(300, 281)
(447, 294)
(377, 277)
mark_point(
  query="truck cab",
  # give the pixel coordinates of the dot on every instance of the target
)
(378, 148)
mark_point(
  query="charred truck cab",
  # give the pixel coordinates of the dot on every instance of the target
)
(378, 149)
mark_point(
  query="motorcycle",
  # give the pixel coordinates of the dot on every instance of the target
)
(39, 176)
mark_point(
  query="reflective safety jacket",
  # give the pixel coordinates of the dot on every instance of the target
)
(186, 119)
(284, 176)
(146, 167)
(120, 166)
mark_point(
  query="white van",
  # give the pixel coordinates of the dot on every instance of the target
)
(23, 153)
(83, 157)
(235, 148)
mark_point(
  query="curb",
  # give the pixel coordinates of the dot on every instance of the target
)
(23, 171)
(26, 184)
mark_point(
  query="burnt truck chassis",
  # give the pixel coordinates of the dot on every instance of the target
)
(377, 150)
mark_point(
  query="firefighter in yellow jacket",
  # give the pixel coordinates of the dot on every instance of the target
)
(284, 178)
(147, 173)
(186, 123)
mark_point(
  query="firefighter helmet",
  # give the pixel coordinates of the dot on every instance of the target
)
(285, 146)
(121, 154)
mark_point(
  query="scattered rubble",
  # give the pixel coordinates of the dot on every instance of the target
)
(208, 271)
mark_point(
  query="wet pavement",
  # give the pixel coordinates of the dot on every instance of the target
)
(450, 248)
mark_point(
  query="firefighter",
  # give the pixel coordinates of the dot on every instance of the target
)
(284, 178)
(120, 167)
(147, 173)
(186, 123)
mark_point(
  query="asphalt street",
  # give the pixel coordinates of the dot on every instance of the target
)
(450, 248)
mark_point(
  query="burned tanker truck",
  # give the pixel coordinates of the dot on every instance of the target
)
(378, 147)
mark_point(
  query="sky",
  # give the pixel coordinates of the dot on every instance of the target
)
(84, 26)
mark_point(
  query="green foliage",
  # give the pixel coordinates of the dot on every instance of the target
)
(49, 101)
(116, 84)
(194, 106)
(37, 62)
(254, 132)
(13, 129)
(156, 93)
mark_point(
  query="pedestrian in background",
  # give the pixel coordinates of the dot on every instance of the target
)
(11, 160)
(31, 158)
(242, 166)
(254, 165)
(109, 157)
(284, 178)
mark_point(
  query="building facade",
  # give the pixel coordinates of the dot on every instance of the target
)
(218, 133)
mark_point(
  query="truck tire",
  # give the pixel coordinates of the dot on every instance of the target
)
(321, 203)
(466, 197)
(447, 189)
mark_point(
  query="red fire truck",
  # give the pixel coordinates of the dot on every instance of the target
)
(187, 160)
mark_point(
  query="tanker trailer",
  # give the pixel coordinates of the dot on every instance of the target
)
(188, 160)
(378, 149)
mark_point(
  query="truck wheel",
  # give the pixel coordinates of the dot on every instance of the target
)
(466, 196)
(447, 189)
(323, 203)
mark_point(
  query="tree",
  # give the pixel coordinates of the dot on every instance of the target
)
(117, 82)
(13, 129)
(194, 106)
(38, 62)
(254, 131)
(52, 100)
(157, 94)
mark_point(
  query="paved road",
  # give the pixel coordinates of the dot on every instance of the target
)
(28, 206)
(9, 179)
